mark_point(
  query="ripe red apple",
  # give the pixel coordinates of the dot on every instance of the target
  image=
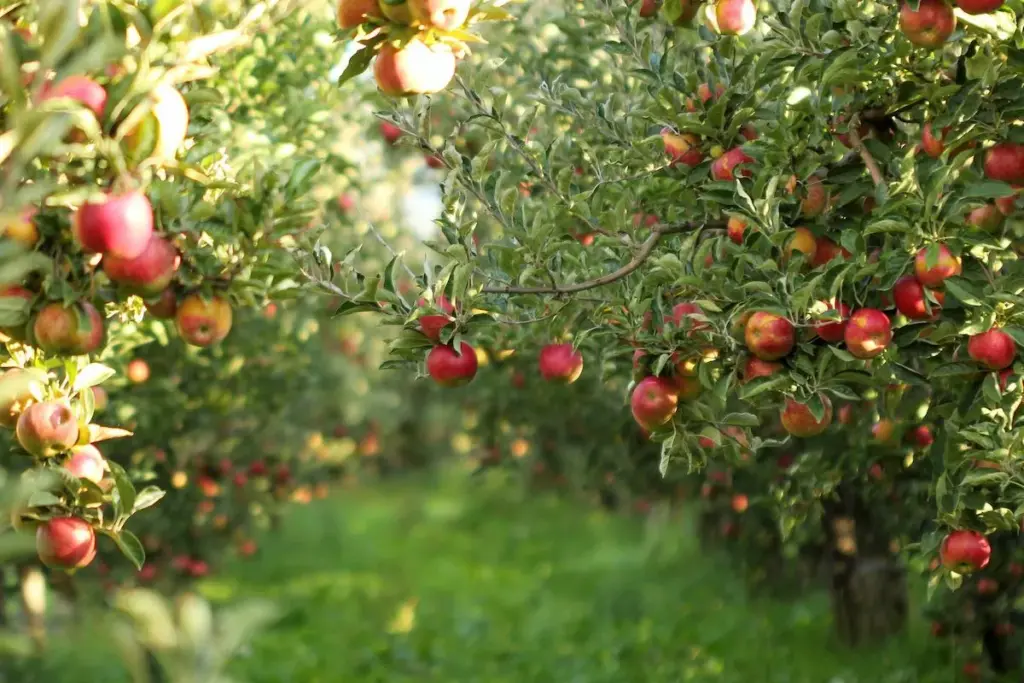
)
(930, 26)
(240, 480)
(584, 238)
(390, 132)
(735, 17)
(825, 250)
(649, 8)
(933, 145)
(725, 166)
(647, 219)
(65, 543)
(876, 472)
(815, 198)
(74, 330)
(910, 299)
(451, 369)
(351, 13)
(798, 420)
(979, 6)
(987, 586)
(119, 224)
(988, 218)
(203, 322)
(921, 436)
(947, 265)
(413, 69)
(833, 332)
(86, 462)
(964, 551)
(1005, 161)
(433, 161)
(755, 367)
(560, 363)
(740, 502)
(198, 569)
(432, 324)
(148, 573)
(654, 402)
(868, 333)
(682, 316)
(165, 306)
(150, 272)
(81, 89)
(769, 336)
(682, 148)
(735, 229)
(994, 349)
(444, 15)
(802, 241)
(162, 131)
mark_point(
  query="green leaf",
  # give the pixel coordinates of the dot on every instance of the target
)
(359, 63)
(741, 420)
(92, 375)
(148, 497)
(125, 500)
(130, 546)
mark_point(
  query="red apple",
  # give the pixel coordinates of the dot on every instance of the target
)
(654, 402)
(165, 306)
(86, 462)
(704, 92)
(560, 363)
(883, 430)
(137, 371)
(444, 15)
(833, 332)
(988, 217)
(74, 330)
(1005, 161)
(735, 229)
(987, 586)
(121, 225)
(203, 322)
(240, 480)
(815, 198)
(413, 69)
(390, 132)
(979, 6)
(802, 241)
(432, 324)
(798, 420)
(755, 367)
(351, 13)
(964, 551)
(450, 368)
(735, 17)
(649, 8)
(994, 349)
(921, 436)
(825, 250)
(868, 333)
(947, 265)
(930, 25)
(933, 145)
(910, 299)
(65, 543)
(682, 148)
(433, 161)
(740, 502)
(769, 336)
(682, 316)
(150, 272)
(725, 166)
(81, 89)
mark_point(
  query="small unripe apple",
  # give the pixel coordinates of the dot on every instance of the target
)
(560, 363)
(65, 543)
(203, 322)
(450, 368)
(47, 428)
(119, 225)
(390, 132)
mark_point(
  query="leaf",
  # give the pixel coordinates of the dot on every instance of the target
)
(959, 289)
(350, 307)
(357, 64)
(125, 501)
(130, 546)
(92, 375)
(148, 497)
(741, 420)
(101, 433)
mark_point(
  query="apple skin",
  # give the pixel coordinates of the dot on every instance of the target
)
(47, 428)
(802, 241)
(769, 336)
(994, 349)
(989, 218)
(653, 402)
(832, 331)
(147, 274)
(825, 250)
(754, 367)
(798, 420)
(979, 6)
(81, 89)
(21, 227)
(868, 333)
(432, 324)
(560, 363)
(682, 316)
(162, 131)
(883, 430)
(86, 462)
(203, 322)
(351, 13)
(933, 145)
(946, 266)
(164, 306)
(65, 543)
(390, 132)
(649, 8)
(682, 148)
(704, 92)
(930, 26)
(735, 17)
(137, 371)
(735, 228)
(444, 15)
(451, 369)
(433, 161)
(119, 224)
(1005, 161)
(725, 166)
(965, 551)
(909, 295)
(815, 198)
(413, 69)
(74, 331)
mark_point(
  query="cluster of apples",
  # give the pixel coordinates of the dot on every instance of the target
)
(416, 63)
(725, 17)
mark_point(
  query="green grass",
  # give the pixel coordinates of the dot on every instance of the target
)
(521, 590)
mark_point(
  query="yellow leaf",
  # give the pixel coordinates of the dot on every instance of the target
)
(405, 619)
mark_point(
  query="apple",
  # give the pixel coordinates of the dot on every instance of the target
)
(648, 220)
(162, 131)
(81, 89)
(740, 502)
(99, 399)
(815, 198)
(883, 430)
(687, 11)
(649, 8)
(933, 145)
(988, 218)
(346, 202)
(769, 336)
(682, 148)
(433, 161)
(735, 17)
(921, 436)
(994, 349)
(86, 462)
(1004, 378)
(910, 299)
(432, 324)
(164, 306)
(414, 68)
(833, 331)
(798, 420)
(687, 388)
(964, 551)
(560, 363)
(247, 548)
(198, 569)
(137, 371)
(979, 6)
(147, 573)
(735, 228)
(1005, 161)
(802, 241)
(65, 543)
(682, 316)
(584, 238)
(150, 272)
(704, 92)
(930, 25)
(444, 15)
(47, 428)
(118, 224)
(390, 132)
(23, 385)
(654, 402)
(724, 167)
(203, 322)
(450, 368)
(825, 250)
(947, 265)
(240, 480)
(351, 13)
(868, 333)
(754, 367)
(876, 472)
(21, 227)
(74, 330)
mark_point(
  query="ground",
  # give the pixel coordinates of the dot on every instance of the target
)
(470, 581)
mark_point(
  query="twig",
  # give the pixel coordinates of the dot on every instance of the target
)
(641, 255)
(865, 155)
(380, 238)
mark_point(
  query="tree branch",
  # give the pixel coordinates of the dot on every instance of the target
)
(865, 155)
(646, 247)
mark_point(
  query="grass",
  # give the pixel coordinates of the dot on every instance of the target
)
(471, 582)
